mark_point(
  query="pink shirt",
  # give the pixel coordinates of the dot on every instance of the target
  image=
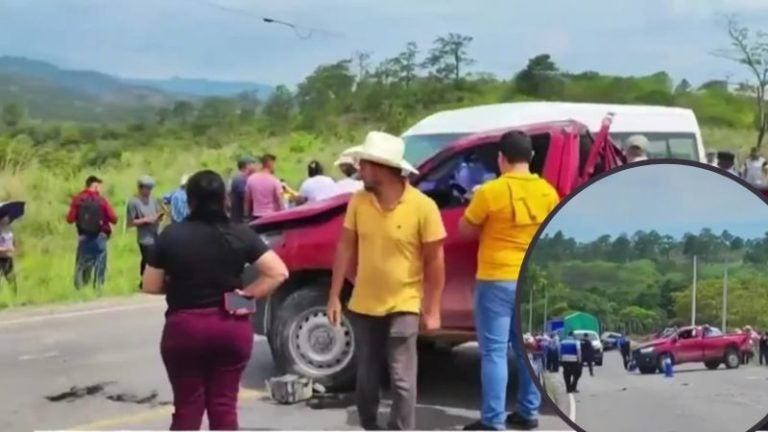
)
(265, 192)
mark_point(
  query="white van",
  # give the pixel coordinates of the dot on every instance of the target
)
(672, 132)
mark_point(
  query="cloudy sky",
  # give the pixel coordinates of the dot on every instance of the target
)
(210, 38)
(669, 198)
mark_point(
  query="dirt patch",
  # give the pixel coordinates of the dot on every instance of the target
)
(100, 390)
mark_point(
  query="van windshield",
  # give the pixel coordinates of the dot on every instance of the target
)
(419, 148)
(664, 145)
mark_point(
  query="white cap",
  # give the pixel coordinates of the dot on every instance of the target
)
(639, 141)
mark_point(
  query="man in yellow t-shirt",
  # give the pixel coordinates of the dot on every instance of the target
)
(505, 214)
(396, 233)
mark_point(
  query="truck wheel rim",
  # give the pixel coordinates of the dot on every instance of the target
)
(319, 347)
(733, 359)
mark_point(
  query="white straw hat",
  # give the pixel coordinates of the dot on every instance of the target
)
(385, 149)
(347, 156)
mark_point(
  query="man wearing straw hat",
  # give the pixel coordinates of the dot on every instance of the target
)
(347, 165)
(396, 234)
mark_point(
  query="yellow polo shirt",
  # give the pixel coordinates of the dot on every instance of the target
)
(389, 251)
(510, 210)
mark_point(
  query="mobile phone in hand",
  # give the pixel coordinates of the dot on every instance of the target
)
(234, 302)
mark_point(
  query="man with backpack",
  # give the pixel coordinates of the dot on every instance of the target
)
(93, 217)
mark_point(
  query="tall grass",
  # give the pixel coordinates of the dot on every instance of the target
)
(46, 243)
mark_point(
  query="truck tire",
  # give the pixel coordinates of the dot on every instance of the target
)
(712, 364)
(305, 343)
(732, 358)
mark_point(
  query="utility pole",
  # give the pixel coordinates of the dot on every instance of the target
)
(530, 311)
(725, 300)
(693, 294)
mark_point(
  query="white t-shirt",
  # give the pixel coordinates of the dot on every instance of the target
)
(318, 188)
(348, 185)
(753, 170)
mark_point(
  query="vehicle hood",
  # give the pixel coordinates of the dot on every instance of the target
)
(303, 212)
(653, 343)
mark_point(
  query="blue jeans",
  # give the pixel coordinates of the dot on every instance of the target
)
(91, 261)
(496, 332)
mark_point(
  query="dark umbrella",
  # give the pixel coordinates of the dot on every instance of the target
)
(13, 209)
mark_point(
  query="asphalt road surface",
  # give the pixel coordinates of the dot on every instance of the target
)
(694, 399)
(97, 367)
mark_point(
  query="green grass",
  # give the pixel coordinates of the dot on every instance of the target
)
(46, 243)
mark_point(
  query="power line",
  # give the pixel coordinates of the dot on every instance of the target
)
(301, 32)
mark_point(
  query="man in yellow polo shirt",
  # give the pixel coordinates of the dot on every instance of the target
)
(396, 234)
(505, 214)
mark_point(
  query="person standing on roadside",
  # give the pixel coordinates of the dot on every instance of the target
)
(93, 217)
(764, 348)
(263, 191)
(752, 171)
(504, 215)
(246, 166)
(624, 348)
(572, 362)
(317, 185)
(7, 250)
(205, 346)
(395, 234)
(144, 213)
(637, 148)
(351, 182)
(177, 201)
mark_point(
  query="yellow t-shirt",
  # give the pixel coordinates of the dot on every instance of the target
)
(389, 251)
(510, 210)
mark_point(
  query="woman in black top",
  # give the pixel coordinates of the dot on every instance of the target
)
(205, 348)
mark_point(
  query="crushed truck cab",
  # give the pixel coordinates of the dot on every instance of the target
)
(293, 319)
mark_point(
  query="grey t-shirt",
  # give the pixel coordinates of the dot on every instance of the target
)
(137, 209)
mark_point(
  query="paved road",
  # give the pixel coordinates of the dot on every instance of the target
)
(109, 352)
(694, 399)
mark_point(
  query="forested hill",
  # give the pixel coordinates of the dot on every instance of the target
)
(643, 281)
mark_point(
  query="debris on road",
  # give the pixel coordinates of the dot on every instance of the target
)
(75, 392)
(289, 389)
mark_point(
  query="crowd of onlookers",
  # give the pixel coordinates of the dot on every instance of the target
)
(253, 192)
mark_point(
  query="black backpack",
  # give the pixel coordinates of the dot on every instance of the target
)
(90, 216)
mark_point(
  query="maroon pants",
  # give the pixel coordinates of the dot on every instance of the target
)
(205, 352)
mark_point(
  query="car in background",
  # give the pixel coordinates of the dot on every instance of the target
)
(610, 340)
(594, 339)
(692, 344)
(672, 132)
(294, 320)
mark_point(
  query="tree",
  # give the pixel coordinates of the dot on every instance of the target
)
(183, 111)
(683, 87)
(449, 56)
(540, 78)
(751, 50)
(279, 108)
(406, 64)
(13, 114)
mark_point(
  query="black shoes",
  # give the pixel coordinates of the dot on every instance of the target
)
(517, 422)
(479, 426)
(514, 421)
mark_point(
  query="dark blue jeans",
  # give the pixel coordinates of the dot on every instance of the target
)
(91, 261)
(496, 335)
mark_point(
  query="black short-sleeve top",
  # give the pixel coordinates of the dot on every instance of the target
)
(204, 261)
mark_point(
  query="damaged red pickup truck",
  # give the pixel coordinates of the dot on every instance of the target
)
(293, 319)
(691, 345)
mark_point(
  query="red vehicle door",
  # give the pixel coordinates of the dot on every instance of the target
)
(687, 346)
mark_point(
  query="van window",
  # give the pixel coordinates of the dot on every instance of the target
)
(664, 145)
(419, 148)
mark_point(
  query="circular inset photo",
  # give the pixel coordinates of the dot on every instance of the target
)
(644, 301)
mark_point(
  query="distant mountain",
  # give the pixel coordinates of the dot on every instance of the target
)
(204, 87)
(51, 93)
